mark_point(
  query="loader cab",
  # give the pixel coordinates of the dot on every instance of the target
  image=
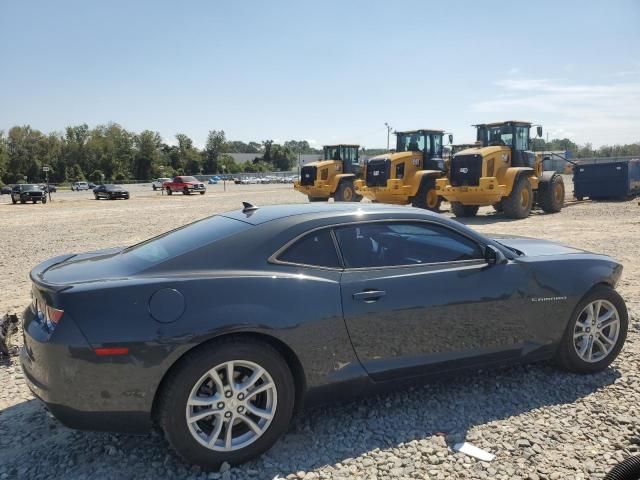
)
(511, 134)
(426, 142)
(346, 154)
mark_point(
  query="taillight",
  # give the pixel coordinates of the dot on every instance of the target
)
(53, 315)
(48, 316)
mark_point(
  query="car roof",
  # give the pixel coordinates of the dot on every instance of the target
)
(317, 211)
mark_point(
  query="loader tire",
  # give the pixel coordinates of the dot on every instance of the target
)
(460, 210)
(520, 201)
(551, 195)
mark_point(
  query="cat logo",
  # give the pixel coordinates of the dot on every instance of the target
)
(464, 170)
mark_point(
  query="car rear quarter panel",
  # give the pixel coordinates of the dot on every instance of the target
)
(301, 310)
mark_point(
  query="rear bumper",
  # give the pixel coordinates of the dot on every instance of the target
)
(488, 192)
(79, 388)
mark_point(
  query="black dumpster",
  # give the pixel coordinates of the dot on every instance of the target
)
(602, 180)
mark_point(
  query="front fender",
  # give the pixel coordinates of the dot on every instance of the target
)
(513, 173)
(335, 181)
(422, 175)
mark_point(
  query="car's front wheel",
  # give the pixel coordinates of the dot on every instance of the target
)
(596, 332)
(227, 401)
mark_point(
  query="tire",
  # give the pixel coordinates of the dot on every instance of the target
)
(567, 356)
(13, 200)
(23, 201)
(185, 191)
(44, 200)
(460, 210)
(579, 198)
(34, 201)
(520, 201)
(551, 195)
(169, 192)
(191, 370)
(346, 192)
(498, 207)
(110, 197)
(202, 193)
(154, 187)
(427, 198)
(97, 197)
(317, 199)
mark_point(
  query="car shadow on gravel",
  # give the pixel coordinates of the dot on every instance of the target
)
(318, 437)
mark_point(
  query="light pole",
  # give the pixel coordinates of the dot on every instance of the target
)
(389, 128)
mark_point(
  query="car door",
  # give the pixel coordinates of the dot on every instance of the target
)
(420, 298)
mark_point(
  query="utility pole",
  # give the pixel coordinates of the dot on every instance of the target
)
(389, 128)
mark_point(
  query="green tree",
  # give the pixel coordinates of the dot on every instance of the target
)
(147, 154)
(216, 145)
(282, 158)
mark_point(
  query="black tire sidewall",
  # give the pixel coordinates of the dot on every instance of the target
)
(191, 369)
(511, 205)
(567, 357)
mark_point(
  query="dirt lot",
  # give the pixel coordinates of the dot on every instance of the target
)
(540, 423)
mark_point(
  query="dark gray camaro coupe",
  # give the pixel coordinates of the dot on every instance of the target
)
(220, 330)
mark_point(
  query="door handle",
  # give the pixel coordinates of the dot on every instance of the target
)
(369, 296)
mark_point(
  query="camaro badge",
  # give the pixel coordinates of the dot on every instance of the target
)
(548, 299)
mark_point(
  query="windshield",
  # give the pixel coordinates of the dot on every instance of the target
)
(332, 153)
(26, 188)
(501, 135)
(189, 179)
(412, 142)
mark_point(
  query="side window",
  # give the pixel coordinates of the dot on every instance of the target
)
(316, 248)
(324, 174)
(395, 243)
(522, 138)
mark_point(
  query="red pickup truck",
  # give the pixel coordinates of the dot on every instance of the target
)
(184, 184)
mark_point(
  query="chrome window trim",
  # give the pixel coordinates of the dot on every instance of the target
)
(275, 260)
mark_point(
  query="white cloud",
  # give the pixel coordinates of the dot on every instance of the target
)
(513, 71)
(596, 113)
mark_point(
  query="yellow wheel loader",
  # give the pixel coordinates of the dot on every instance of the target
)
(409, 174)
(332, 177)
(502, 172)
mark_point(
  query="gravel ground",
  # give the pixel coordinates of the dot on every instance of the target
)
(540, 423)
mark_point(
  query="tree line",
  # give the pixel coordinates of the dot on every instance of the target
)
(112, 153)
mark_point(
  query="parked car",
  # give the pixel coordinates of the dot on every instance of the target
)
(28, 193)
(214, 180)
(77, 186)
(92, 185)
(5, 190)
(184, 184)
(110, 192)
(48, 188)
(159, 182)
(224, 327)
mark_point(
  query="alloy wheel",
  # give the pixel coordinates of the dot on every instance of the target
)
(596, 331)
(231, 406)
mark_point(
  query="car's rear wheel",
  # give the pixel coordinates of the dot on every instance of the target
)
(44, 200)
(14, 201)
(596, 332)
(169, 192)
(227, 402)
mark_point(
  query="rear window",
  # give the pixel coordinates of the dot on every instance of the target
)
(184, 239)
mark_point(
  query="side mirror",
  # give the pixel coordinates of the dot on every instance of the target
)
(539, 131)
(493, 256)
(450, 139)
